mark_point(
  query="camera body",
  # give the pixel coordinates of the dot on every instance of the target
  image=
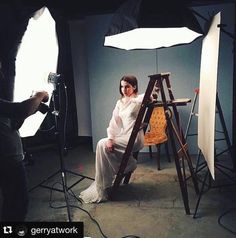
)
(43, 108)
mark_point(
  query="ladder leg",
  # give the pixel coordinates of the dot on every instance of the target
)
(182, 181)
(179, 134)
(186, 156)
(182, 184)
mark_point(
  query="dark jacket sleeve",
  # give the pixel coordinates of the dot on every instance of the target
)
(14, 110)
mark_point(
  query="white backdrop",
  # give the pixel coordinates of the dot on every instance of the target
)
(207, 94)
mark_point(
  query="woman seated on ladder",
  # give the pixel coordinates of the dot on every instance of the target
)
(110, 150)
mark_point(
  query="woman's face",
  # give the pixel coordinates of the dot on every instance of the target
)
(126, 89)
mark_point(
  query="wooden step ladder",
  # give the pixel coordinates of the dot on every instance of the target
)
(174, 131)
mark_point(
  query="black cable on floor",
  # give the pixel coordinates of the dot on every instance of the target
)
(222, 216)
(71, 193)
(127, 236)
(104, 236)
(90, 216)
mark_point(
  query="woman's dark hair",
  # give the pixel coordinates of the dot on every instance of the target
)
(132, 80)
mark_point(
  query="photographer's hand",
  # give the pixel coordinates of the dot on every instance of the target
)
(34, 101)
(42, 95)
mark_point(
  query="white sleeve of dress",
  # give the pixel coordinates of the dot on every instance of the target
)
(138, 99)
(114, 124)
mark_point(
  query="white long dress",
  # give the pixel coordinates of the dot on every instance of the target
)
(107, 163)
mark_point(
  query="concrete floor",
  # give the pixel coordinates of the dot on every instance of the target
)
(150, 206)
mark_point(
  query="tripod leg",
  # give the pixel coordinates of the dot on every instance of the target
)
(198, 160)
(201, 193)
(222, 120)
(41, 184)
(65, 190)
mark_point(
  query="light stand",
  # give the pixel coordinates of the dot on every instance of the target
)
(221, 169)
(60, 117)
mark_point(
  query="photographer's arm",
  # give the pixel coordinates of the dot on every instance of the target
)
(21, 110)
(32, 104)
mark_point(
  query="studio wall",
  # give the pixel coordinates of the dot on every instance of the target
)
(107, 65)
(81, 78)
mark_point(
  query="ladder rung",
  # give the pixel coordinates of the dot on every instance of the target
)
(193, 134)
(220, 139)
(176, 102)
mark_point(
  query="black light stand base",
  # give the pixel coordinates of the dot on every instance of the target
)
(41, 184)
(219, 167)
(65, 187)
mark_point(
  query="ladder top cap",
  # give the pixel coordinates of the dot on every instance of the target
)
(161, 74)
(166, 73)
